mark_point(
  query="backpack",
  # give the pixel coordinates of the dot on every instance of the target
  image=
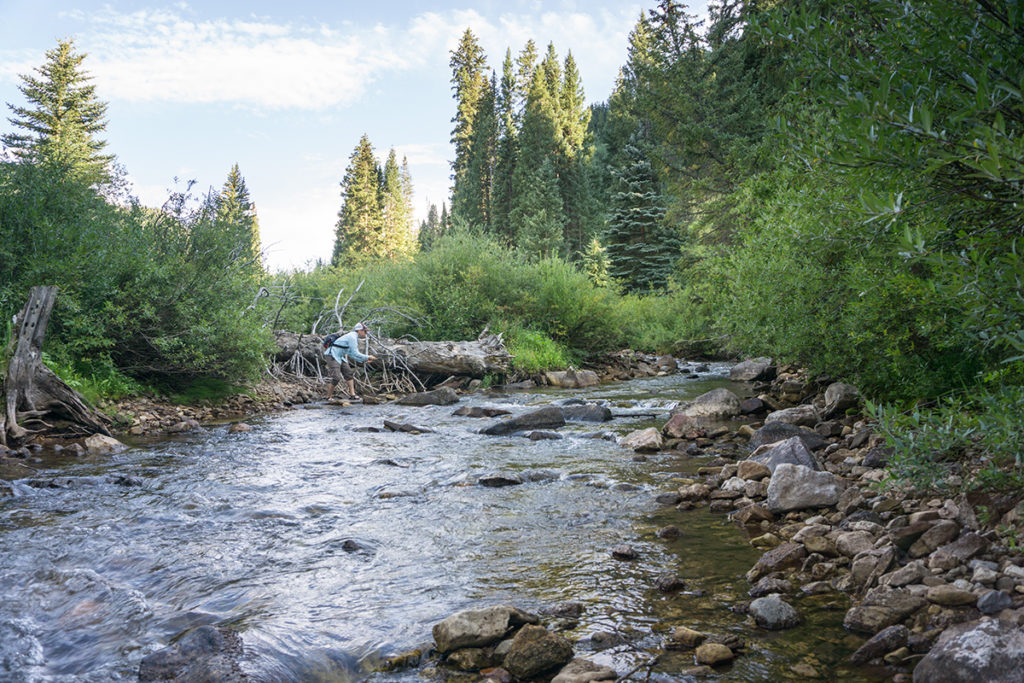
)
(330, 339)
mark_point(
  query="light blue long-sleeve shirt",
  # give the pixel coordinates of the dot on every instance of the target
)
(345, 347)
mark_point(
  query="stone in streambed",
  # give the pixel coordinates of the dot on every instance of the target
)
(549, 417)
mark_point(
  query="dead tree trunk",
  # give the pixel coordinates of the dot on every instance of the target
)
(35, 396)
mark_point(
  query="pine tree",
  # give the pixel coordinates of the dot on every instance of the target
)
(234, 208)
(471, 200)
(469, 82)
(575, 152)
(396, 210)
(359, 232)
(61, 126)
(595, 263)
(526, 65)
(643, 251)
(537, 213)
(430, 229)
(506, 153)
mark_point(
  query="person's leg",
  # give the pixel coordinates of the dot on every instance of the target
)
(334, 370)
(349, 375)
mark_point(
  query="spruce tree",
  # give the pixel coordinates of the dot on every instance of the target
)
(61, 125)
(396, 210)
(472, 198)
(505, 155)
(235, 209)
(642, 249)
(574, 154)
(468, 63)
(537, 213)
(594, 261)
(359, 232)
(430, 229)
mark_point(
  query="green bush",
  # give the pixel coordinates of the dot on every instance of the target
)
(535, 352)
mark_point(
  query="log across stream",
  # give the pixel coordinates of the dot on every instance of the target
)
(330, 543)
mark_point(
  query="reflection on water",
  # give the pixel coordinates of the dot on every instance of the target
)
(329, 546)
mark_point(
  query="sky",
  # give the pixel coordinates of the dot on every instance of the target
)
(286, 89)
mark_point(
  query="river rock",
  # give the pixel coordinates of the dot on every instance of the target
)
(680, 426)
(870, 618)
(684, 637)
(786, 556)
(769, 585)
(994, 602)
(473, 658)
(950, 596)
(753, 370)
(571, 379)
(967, 546)
(713, 653)
(868, 566)
(804, 415)
(850, 543)
(99, 444)
(795, 487)
(478, 628)
(204, 655)
(590, 412)
(480, 411)
(500, 479)
(643, 440)
(717, 404)
(774, 613)
(444, 396)
(240, 427)
(987, 650)
(535, 650)
(882, 643)
(752, 470)
(773, 432)
(839, 398)
(584, 671)
(549, 417)
(791, 451)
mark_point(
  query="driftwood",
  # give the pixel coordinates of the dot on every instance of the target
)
(35, 399)
(404, 366)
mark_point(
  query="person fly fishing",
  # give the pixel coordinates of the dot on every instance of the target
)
(339, 348)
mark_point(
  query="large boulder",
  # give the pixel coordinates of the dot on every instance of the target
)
(717, 404)
(643, 440)
(571, 379)
(805, 415)
(986, 650)
(549, 417)
(791, 451)
(479, 627)
(535, 650)
(796, 487)
(773, 432)
(588, 412)
(773, 613)
(445, 396)
(753, 370)
(839, 398)
(680, 426)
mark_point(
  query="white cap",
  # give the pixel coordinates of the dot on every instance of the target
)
(359, 326)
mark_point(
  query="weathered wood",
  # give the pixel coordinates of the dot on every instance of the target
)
(32, 391)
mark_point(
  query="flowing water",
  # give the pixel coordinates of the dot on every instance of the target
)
(330, 546)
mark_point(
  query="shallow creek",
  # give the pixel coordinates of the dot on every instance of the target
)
(330, 547)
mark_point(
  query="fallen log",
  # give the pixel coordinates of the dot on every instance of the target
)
(35, 399)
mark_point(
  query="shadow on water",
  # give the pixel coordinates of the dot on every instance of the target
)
(330, 545)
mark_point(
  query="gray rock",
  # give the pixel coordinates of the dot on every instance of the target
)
(785, 556)
(791, 451)
(769, 585)
(753, 370)
(717, 403)
(535, 650)
(101, 444)
(479, 628)
(986, 650)
(839, 398)
(499, 479)
(643, 440)
(549, 417)
(480, 411)
(801, 416)
(773, 432)
(538, 435)
(882, 643)
(796, 487)
(590, 412)
(680, 426)
(774, 613)
(994, 602)
(584, 671)
(445, 396)
(207, 654)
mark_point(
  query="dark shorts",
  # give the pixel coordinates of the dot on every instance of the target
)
(338, 370)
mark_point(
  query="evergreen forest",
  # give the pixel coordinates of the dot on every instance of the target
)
(838, 185)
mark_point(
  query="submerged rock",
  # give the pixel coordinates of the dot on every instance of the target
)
(549, 417)
(207, 653)
(438, 397)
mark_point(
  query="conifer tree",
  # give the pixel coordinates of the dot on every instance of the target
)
(573, 157)
(468, 63)
(507, 150)
(430, 229)
(471, 200)
(234, 208)
(537, 213)
(396, 210)
(595, 263)
(643, 251)
(61, 125)
(526, 64)
(359, 232)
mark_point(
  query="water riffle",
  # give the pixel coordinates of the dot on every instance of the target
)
(330, 546)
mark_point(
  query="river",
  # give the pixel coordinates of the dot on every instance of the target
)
(331, 546)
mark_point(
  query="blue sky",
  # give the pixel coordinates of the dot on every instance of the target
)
(285, 89)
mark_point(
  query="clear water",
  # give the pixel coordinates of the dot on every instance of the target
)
(330, 547)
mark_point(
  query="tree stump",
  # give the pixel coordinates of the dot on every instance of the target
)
(35, 399)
